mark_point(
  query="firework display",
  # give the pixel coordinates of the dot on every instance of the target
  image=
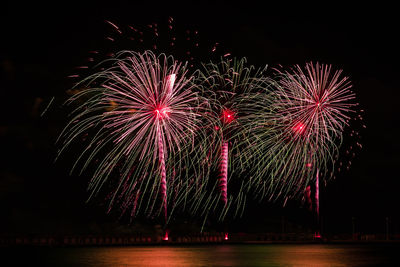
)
(296, 127)
(221, 84)
(160, 136)
(138, 112)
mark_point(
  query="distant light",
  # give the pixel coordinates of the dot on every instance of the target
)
(226, 236)
(299, 128)
(165, 238)
(317, 235)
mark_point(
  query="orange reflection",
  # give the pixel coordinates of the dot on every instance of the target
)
(321, 255)
(312, 255)
(148, 256)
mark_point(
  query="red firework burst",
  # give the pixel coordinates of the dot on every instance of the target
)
(314, 102)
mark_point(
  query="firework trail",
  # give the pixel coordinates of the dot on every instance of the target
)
(224, 172)
(317, 193)
(308, 197)
(221, 84)
(135, 113)
(298, 123)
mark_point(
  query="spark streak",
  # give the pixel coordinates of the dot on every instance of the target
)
(223, 180)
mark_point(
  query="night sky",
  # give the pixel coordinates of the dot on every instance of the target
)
(41, 44)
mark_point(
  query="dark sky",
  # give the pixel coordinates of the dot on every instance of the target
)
(42, 43)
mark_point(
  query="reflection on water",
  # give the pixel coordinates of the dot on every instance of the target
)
(218, 255)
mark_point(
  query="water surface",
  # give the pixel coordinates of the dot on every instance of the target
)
(215, 255)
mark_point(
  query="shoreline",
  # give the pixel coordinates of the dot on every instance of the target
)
(91, 241)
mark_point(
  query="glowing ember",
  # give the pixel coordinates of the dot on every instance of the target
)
(228, 116)
(162, 112)
(317, 235)
(226, 236)
(165, 238)
(299, 128)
